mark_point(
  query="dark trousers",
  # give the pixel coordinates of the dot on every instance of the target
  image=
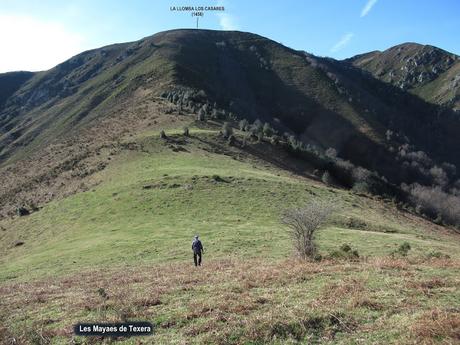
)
(197, 258)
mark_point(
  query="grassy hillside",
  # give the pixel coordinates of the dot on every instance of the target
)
(149, 202)
(97, 210)
(10, 83)
(59, 121)
(241, 73)
(130, 235)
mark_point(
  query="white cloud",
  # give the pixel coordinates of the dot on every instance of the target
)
(32, 44)
(366, 9)
(227, 22)
(342, 43)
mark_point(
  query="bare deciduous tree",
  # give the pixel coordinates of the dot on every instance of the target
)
(227, 130)
(434, 201)
(303, 222)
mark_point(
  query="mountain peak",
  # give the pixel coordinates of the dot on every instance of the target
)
(427, 71)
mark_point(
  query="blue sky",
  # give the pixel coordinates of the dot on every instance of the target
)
(36, 35)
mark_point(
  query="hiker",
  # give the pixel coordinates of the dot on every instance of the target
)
(197, 248)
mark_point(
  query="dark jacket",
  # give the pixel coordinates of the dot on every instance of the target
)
(197, 247)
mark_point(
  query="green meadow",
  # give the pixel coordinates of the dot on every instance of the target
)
(131, 233)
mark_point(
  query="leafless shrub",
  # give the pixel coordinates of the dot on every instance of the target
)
(418, 156)
(345, 165)
(435, 202)
(243, 125)
(186, 131)
(227, 130)
(331, 153)
(326, 178)
(257, 127)
(439, 176)
(361, 188)
(303, 223)
(449, 168)
(201, 115)
(360, 174)
(389, 134)
(268, 129)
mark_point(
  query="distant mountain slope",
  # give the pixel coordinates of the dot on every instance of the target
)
(10, 82)
(64, 116)
(242, 73)
(427, 71)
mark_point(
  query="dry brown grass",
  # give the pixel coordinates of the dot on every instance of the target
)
(67, 164)
(361, 301)
(426, 286)
(246, 301)
(437, 325)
